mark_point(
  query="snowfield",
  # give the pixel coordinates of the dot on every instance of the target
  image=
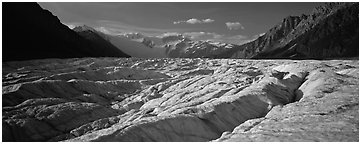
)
(163, 99)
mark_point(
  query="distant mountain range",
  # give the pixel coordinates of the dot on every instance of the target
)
(30, 32)
(330, 31)
(180, 46)
(173, 46)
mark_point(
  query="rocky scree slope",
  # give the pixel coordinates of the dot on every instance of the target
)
(330, 31)
(31, 32)
(109, 99)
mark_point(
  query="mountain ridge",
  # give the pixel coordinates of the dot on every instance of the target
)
(301, 31)
(49, 37)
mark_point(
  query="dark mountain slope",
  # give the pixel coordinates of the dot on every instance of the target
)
(30, 32)
(97, 38)
(331, 31)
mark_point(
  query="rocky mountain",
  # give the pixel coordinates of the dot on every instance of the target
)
(330, 31)
(31, 32)
(180, 46)
(197, 49)
(98, 39)
(148, 41)
(137, 47)
(179, 100)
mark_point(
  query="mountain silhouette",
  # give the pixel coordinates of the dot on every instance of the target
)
(31, 32)
(330, 31)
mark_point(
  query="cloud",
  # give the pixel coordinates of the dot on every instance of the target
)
(234, 25)
(194, 21)
(202, 35)
(168, 34)
(208, 20)
(116, 28)
(212, 36)
(235, 39)
(238, 37)
(256, 36)
(104, 30)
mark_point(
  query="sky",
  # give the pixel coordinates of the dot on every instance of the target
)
(229, 22)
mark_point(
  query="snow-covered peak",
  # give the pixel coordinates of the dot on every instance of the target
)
(133, 35)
